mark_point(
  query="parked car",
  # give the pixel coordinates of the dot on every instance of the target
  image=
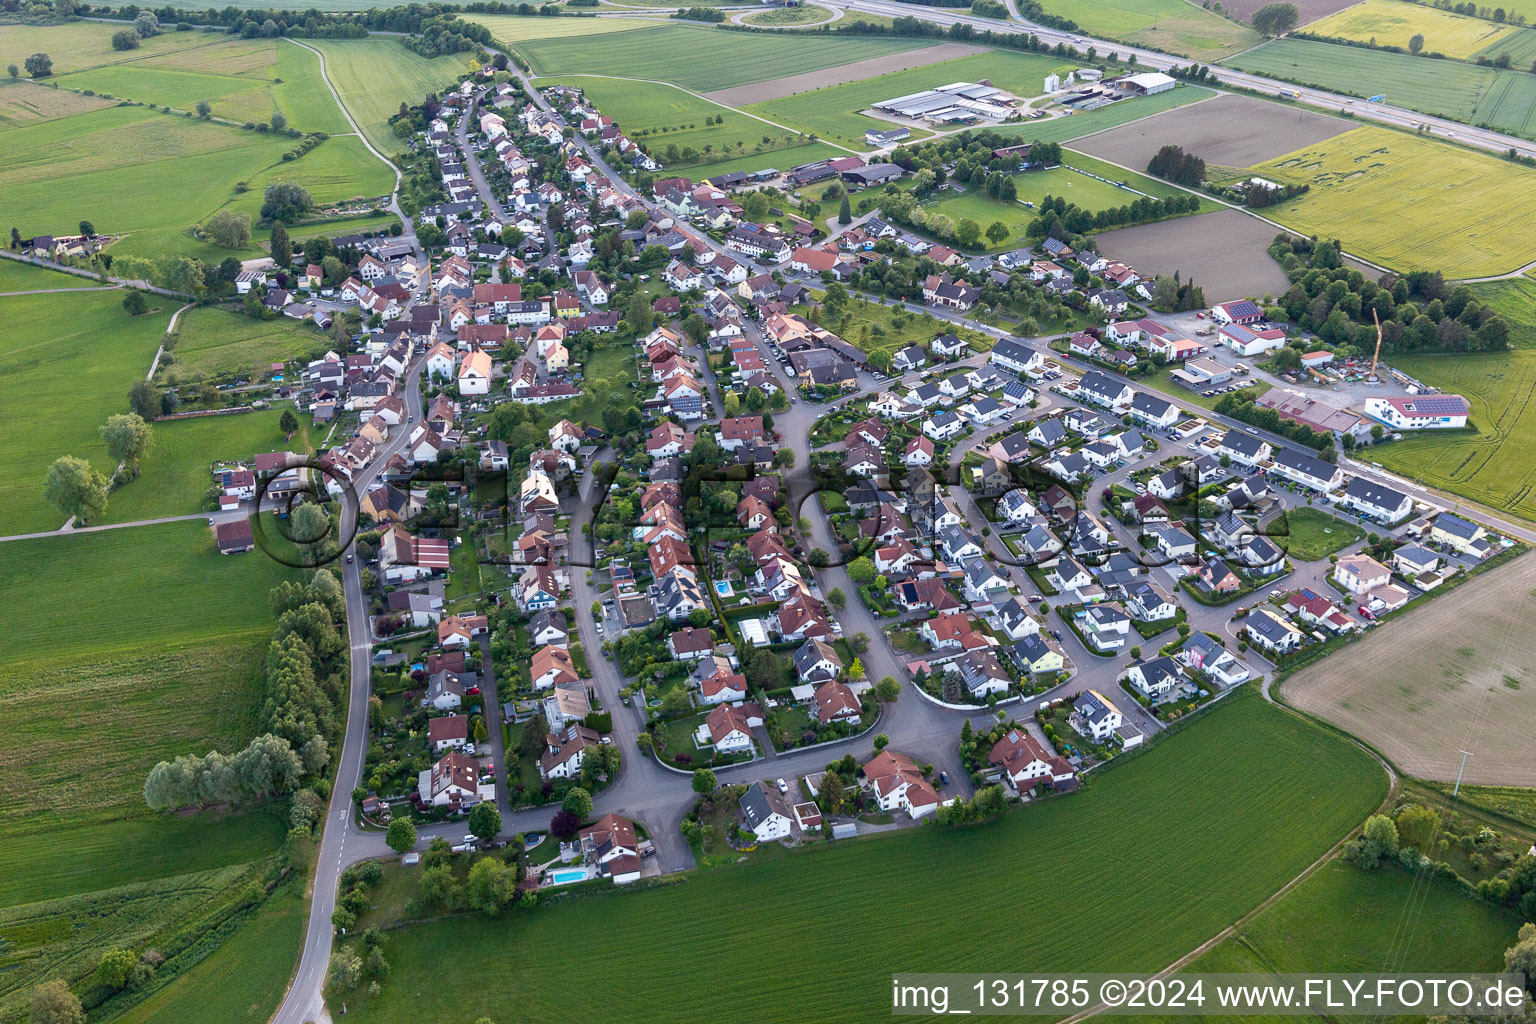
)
(783, 786)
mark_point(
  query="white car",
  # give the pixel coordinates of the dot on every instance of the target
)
(783, 786)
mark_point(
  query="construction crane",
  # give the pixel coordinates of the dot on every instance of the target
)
(1377, 354)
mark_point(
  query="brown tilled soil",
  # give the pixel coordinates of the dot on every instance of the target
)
(1310, 10)
(759, 92)
(1268, 130)
(1456, 674)
(1224, 252)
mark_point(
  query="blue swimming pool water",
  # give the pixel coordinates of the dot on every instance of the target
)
(568, 876)
(723, 588)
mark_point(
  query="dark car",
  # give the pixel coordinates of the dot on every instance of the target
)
(943, 778)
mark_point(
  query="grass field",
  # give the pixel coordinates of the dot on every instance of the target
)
(1515, 300)
(1172, 26)
(1240, 829)
(1504, 100)
(1392, 925)
(210, 342)
(175, 474)
(509, 29)
(1509, 801)
(660, 116)
(153, 175)
(1455, 674)
(718, 59)
(16, 276)
(1310, 535)
(783, 159)
(1412, 203)
(1491, 464)
(1086, 191)
(107, 349)
(77, 45)
(1394, 22)
(244, 980)
(375, 76)
(833, 113)
(873, 327)
(22, 103)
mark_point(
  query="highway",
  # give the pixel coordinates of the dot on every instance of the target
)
(1385, 113)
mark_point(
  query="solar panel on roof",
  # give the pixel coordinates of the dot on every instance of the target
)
(1437, 405)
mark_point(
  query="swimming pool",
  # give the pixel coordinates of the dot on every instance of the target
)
(566, 876)
(723, 588)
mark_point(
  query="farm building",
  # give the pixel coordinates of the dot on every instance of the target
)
(1148, 83)
(880, 139)
(957, 102)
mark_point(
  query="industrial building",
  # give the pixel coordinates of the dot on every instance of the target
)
(957, 103)
(1148, 83)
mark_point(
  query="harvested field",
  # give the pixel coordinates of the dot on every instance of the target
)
(1223, 252)
(1466, 681)
(1309, 10)
(21, 103)
(859, 70)
(1205, 129)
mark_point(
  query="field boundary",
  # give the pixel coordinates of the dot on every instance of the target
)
(706, 99)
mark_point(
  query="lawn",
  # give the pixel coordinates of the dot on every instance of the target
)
(717, 59)
(1310, 535)
(175, 476)
(873, 327)
(153, 175)
(1490, 464)
(661, 117)
(1240, 829)
(1394, 22)
(1504, 100)
(1171, 26)
(374, 76)
(1077, 181)
(212, 342)
(108, 351)
(1412, 203)
(833, 113)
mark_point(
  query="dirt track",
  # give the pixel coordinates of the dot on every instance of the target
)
(1205, 129)
(859, 70)
(1458, 674)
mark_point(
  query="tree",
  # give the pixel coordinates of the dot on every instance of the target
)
(1521, 957)
(704, 782)
(836, 598)
(280, 245)
(1275, 19)
(997, 232)
(135, 303)
(888, 689)
(346, 968)
(39, 65)
(564, 824)
(279, 122)
(831, 792)
(288, 422)
(491, 885)
(204, 109)
(579, 802)
(115, 968)
(13, 70)
(144, 399)
(229, 229)
(54, 1003)
(1416, 42)
(401, 835)
(75, 488)
(844, 213)
(755, 206)
(1418, 826)
(967, 232)
(127, 39)
(127, 438)
(87, 228)
(485, 821)
(882, 741)
(147, 24)
(285, 201)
